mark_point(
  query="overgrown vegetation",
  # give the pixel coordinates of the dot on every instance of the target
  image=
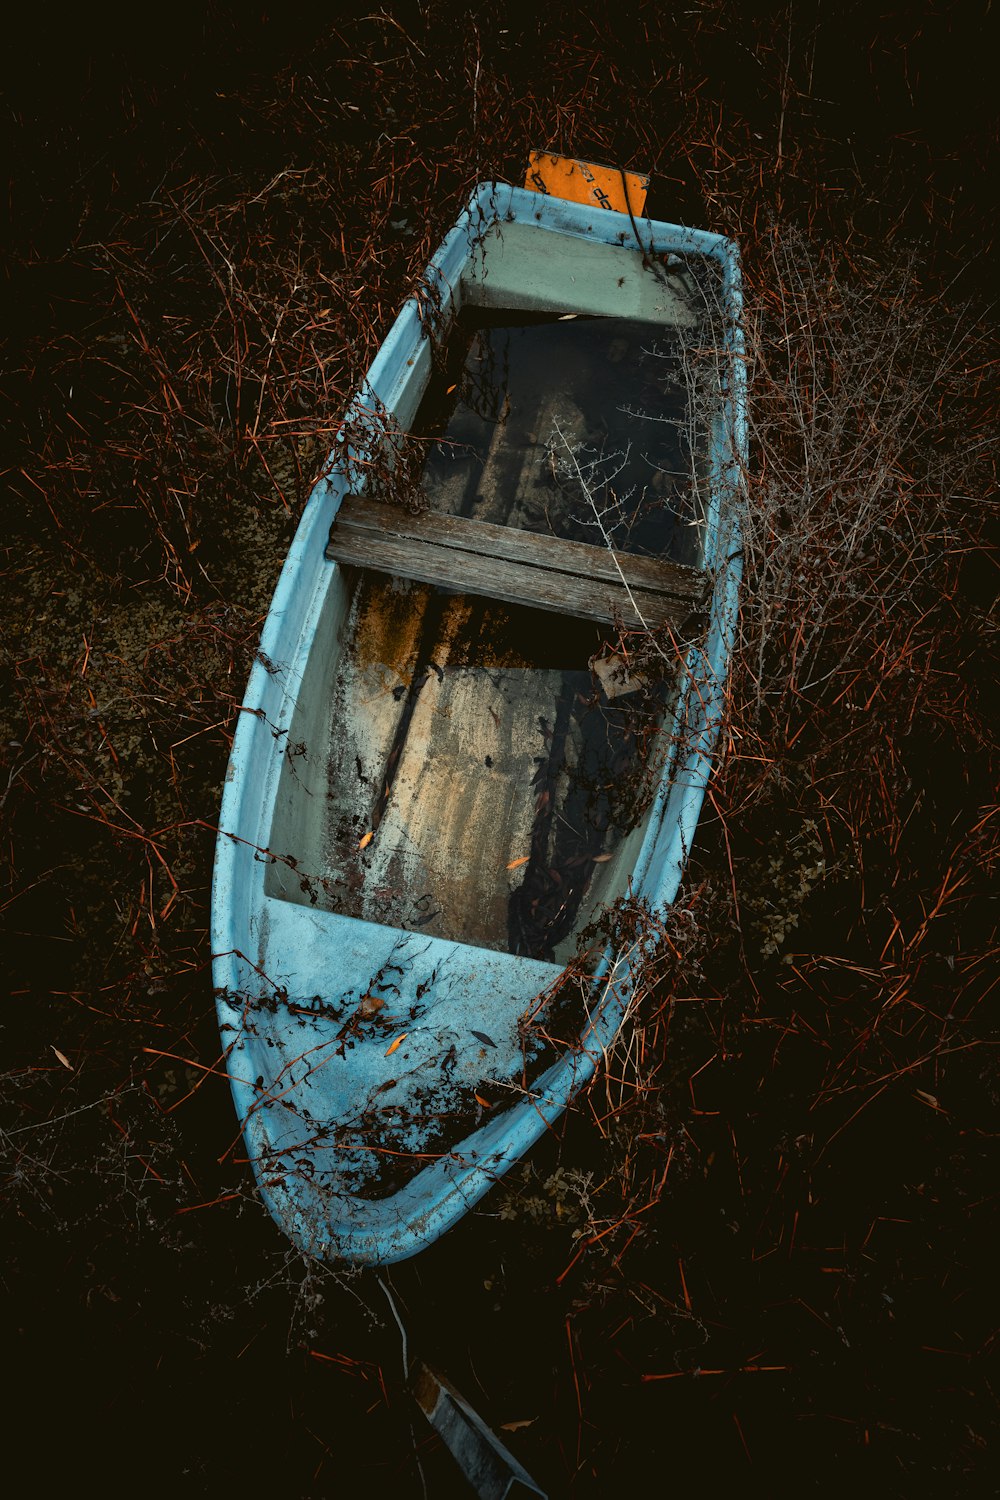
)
(761, 1243)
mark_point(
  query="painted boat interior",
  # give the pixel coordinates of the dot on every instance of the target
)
(455, 765)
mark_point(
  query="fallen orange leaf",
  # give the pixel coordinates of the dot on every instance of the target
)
(62, 1058)
(363, 843)
(522, 861)
(484, 1102)
(397, 1043)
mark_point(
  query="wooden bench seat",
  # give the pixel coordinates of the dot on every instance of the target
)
(519, 567)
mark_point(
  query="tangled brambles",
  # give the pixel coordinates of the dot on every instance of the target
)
(774, 1243)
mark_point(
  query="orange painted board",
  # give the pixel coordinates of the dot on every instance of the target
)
(586, 182)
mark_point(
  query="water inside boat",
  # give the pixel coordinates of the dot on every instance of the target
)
(578, 427)
(481, 771)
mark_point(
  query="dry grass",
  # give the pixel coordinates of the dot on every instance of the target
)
(780, 1178)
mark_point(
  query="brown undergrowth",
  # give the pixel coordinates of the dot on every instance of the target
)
(757, 1233)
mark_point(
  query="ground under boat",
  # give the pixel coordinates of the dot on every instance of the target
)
(481, 717)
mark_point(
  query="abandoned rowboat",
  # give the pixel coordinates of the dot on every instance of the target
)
(447, 766)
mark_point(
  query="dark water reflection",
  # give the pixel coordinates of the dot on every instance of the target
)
(582, 427)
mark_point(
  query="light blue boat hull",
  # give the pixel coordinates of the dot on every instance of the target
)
(288, 975)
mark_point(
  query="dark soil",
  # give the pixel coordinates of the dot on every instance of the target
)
(761, 1251)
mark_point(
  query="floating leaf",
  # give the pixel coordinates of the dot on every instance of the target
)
(397, 1043)
(364, 842)
(516, 862)
(63, 1058)
(481, 1036)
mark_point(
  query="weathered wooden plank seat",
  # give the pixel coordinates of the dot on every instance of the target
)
(517, 566)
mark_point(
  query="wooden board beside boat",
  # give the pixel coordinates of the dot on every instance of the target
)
(445, 770)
